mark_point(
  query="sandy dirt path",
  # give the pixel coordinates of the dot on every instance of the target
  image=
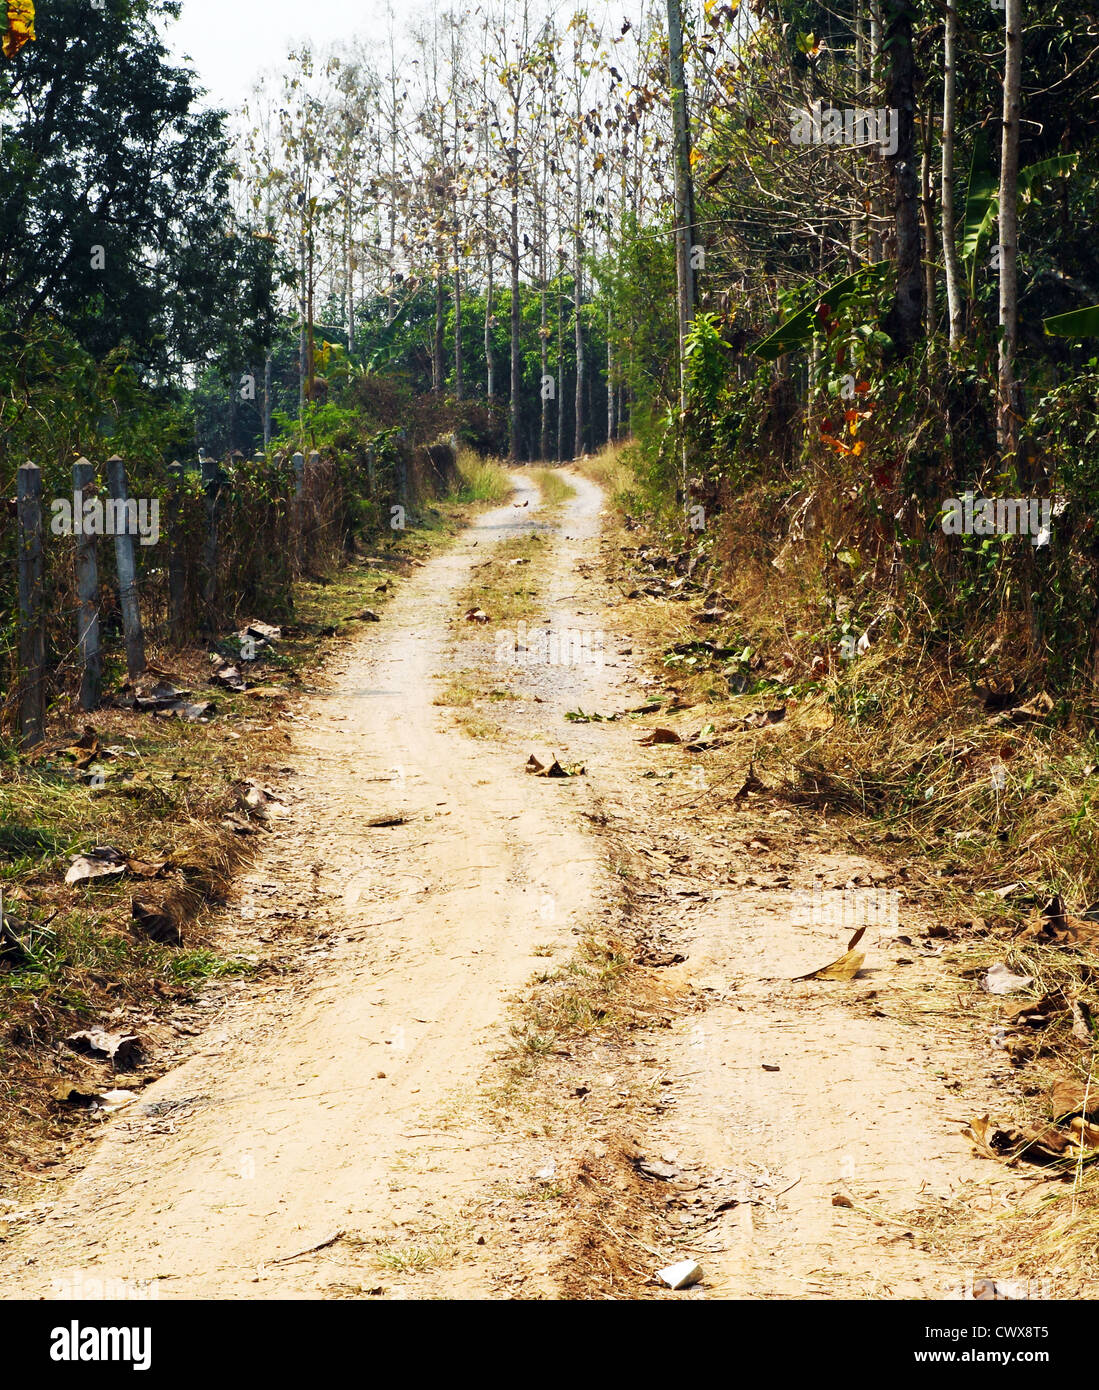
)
(332, 1124)
(329, 1105)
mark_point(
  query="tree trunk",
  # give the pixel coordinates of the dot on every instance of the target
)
(513, 238)
(490, 383)
(267, 402)
(578, 288)
(904, 322)
(954, 299)
(458, 388)
(302, 329)
(927, 200)
(348, 279)
(1009, 406)
(437, 346)
(610, 381)
(543, 339)
(685, 237)
(560, 371)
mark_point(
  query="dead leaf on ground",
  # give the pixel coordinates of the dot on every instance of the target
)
(150, 921)
(97, 863)
(1036, 708)
(659, 736)
(1037, 1013)
(998, 979)
(73, 1096)
(86, 749)
(1009, 1144)
(261, 802)
(148, 868)
(1083, 1025)
(760, 717)
(227, 675)
(555, 769)
(122, 1050)
(846, 968)
(12, 951)
(1071, 1098)
(751, 783)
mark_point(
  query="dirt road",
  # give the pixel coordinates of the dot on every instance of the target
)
(337, 1133)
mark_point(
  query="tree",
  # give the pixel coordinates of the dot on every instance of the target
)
(1009, 404)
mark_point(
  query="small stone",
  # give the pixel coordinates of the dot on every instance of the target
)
(681, 1275)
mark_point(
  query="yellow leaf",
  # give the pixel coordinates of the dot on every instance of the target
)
(20, 26)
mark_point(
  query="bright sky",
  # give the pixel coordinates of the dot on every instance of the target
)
(230, 44)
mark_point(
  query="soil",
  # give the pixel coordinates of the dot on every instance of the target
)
(370, 1122)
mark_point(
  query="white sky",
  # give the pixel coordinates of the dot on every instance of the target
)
(230, 44)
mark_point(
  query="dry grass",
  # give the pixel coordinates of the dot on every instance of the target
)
(484, 480)
(506, 587)
(610, 469)
(555, 488)
(896, 750)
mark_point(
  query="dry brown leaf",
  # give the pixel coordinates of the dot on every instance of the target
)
(659, 736)
(1071, 1098)
(846, 968)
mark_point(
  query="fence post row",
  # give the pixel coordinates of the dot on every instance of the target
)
(31, 568)
(177, 560)
(32, 612)
(127, 570)
(297, 508)
(211, 482)
(87, 594)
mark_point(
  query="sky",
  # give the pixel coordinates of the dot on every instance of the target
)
(230, 44)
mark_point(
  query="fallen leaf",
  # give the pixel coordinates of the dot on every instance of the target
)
(147, 868)
(1071, 1098)
(122, 1050)
(156, 925)
(97, 863)
(764, 716)
(659, 736)
(998, 979)
(846, 968)
(261, 802)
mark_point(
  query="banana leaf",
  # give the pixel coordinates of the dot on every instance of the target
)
(1079, 323)
(800, 326)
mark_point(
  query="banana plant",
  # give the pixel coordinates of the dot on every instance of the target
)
(982, 204)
